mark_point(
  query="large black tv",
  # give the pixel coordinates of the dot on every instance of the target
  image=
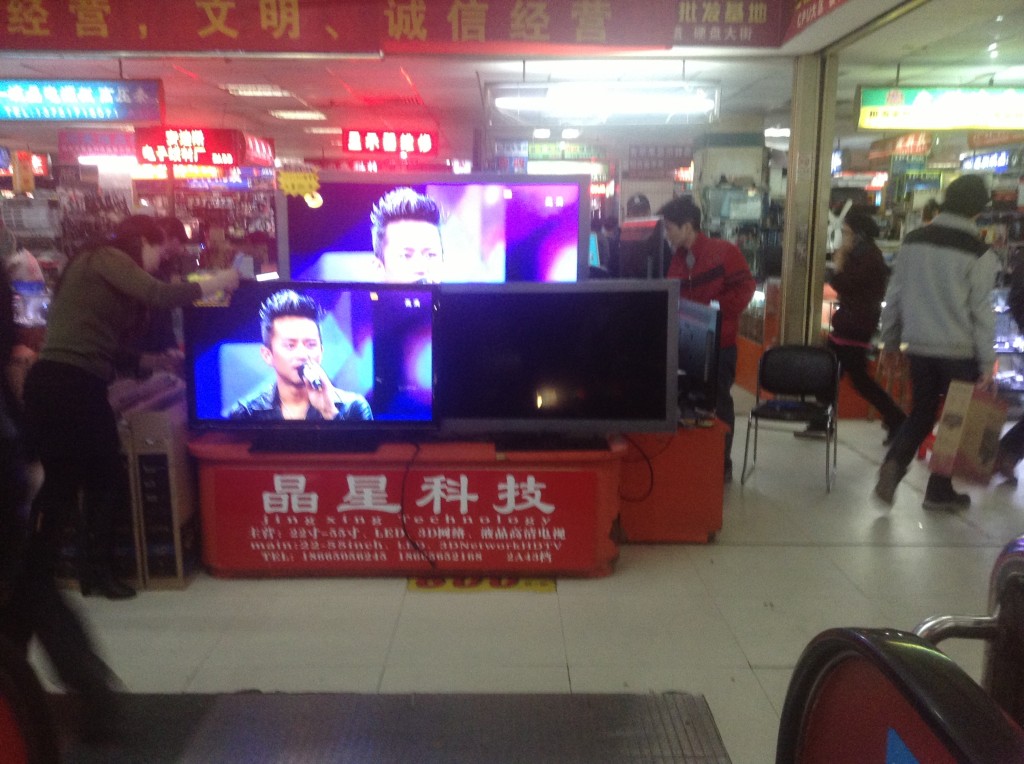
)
(588, 359)
(700, 329)
(376, 343)
(494, 228)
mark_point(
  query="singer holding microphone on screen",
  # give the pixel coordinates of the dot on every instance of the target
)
(293, 348)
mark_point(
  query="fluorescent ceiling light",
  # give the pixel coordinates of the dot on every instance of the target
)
(597, 102)
(541, 133)
(326, 130)
(570, 134)
(256, 91)
(297, 114)
(776, 132)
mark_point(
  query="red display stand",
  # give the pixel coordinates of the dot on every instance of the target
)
(672, 488)
(438, 509)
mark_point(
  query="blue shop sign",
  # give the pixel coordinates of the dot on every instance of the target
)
(82, 100)
(995, 161)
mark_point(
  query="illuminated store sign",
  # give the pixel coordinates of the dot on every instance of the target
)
(994, 138)
(912, 144)
(102, 142)
(996, 161)
(198, 146)
(92, 100)
(940, 108)
(159, 145)
(40, 164)
(394, 142)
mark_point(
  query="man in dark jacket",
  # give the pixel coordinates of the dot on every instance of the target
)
(939, 305)
(710, 270)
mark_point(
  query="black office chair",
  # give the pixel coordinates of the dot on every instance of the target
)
(803, 382)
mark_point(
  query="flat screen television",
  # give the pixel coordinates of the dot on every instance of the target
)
(494, 228)
(375, 350)
(588, 359)
(700, 329)
(643, 249)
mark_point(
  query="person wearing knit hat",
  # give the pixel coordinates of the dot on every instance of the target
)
(938, 306)
(859, 279)
(966, 196)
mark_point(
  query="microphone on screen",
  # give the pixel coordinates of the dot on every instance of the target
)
(314, 381)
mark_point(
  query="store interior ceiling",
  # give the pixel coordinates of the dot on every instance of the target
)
(935, 42)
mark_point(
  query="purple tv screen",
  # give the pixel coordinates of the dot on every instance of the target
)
(493, 228)
(377, 342)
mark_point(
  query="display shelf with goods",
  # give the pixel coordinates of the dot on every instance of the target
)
(1009, 346)
(89, 214)
(35, 223)
(223, 222)
(1004, 231)
(758, 329)
(738, 214)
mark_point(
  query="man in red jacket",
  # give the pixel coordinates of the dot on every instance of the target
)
(710, 270)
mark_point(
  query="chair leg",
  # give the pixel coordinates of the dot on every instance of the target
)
(831, 444)
(829, 435)
(746, 450)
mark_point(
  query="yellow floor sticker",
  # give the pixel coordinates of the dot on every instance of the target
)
(481, 584)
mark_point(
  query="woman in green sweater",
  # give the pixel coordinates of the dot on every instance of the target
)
(100, 305)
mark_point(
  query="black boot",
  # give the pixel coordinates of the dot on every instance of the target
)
(106, 585)
(939, 495)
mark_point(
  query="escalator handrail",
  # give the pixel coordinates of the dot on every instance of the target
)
(1008, 565)
(953, 705)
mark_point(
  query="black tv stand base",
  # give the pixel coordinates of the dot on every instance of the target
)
(325, 442)
(550, 442)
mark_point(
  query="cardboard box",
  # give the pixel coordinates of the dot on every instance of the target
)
(968, 436)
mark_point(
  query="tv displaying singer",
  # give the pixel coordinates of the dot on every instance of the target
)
(438, 228)
(294, 354)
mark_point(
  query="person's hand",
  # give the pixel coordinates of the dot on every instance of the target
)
(986, 382)
(319, 389)
(229, 279)
(224, 280)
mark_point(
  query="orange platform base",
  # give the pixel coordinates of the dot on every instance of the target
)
(433, 509)
(671, 485)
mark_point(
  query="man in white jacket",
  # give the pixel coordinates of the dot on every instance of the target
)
(938, 305)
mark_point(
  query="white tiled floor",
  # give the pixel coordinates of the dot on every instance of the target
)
(727, 620)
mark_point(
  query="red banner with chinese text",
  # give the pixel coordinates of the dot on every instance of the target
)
(910, 144)
(730, 23)
(354, 26)
(806, 13)
(986, 139)
(291, 521)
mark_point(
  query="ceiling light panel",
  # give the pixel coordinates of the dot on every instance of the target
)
(298, 114)
(591, 103)
(256, 91)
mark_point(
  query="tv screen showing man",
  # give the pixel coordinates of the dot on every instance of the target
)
(293, 348)
(406, 228)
